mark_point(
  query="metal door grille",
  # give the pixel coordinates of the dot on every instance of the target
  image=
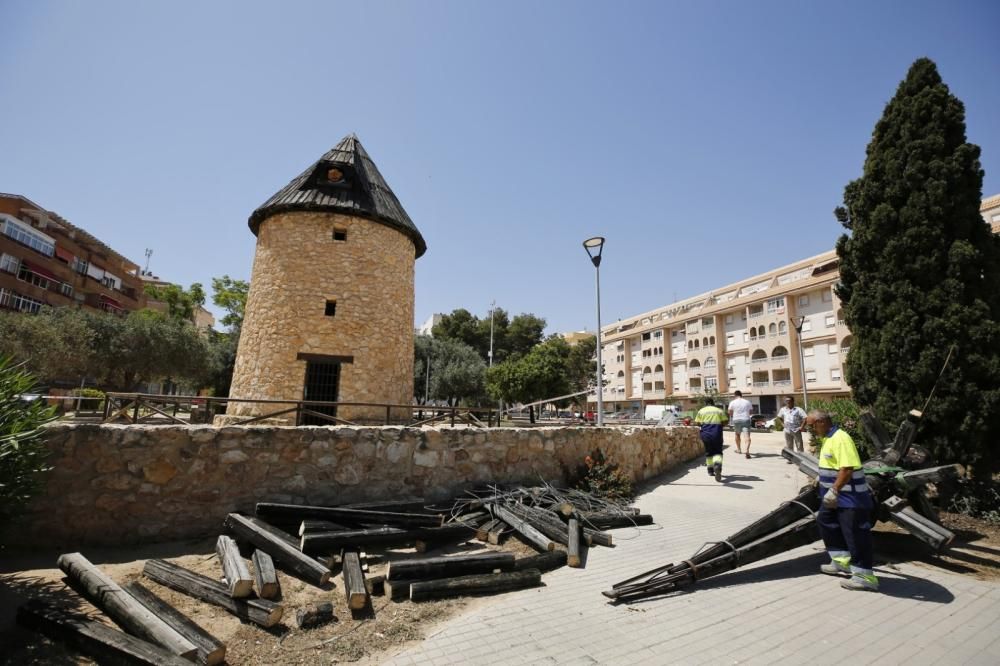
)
(322, 384)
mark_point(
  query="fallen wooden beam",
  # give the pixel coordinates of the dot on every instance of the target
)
(259, 611)
(322, 542)
(544, 521)
(450, 566)
(543, 561)
(234, 568)
(483, 531)
(354, 581)
(610, 522)
(264, 575)
(93, 638)
(479, 584)
(293, 512)
(529, 532)
(122, 607)
(263, 536)
(573, 549)
(398, 590)
(211, 650)
(498, 534)
(319, 526)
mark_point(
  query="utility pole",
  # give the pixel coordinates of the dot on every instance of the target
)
(149, 253)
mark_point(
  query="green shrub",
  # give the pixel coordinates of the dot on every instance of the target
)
(600, 476)
(978, 499)
(847, 415)
(91, 399)
(22, 447)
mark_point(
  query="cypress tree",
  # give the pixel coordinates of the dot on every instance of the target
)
(920, 275)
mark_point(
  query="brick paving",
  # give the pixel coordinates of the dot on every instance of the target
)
(779, 611)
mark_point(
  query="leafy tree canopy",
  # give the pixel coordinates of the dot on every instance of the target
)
(181, 303)
(920, 275)
(511, 337)
(231, 296)
(457, 373)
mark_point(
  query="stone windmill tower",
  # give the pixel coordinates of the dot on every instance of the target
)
(329, 315)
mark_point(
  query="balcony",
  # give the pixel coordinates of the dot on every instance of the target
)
(782, 382)
(756, 315)
(780, 359)
(761, 384)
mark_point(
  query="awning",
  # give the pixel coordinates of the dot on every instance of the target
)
(111, 301)
(38, 270)
(65, 254)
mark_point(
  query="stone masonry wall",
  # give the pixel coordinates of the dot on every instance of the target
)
(297, 267)
(114, 484)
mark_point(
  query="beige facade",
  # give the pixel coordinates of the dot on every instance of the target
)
(739, 337)
(299, 268)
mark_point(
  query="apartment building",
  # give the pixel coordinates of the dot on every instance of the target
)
(45, 260)
(739, 337)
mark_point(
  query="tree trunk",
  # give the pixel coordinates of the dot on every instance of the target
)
(211, 650)
(122, 607)
(483, 584)
(259, 611)
(93, 638)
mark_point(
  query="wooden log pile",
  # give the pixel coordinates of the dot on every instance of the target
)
(561, 525)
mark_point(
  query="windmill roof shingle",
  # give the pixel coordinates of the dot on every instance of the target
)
(367, 194)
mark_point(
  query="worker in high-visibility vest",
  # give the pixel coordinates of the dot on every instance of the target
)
(846, 507)
(711, 419)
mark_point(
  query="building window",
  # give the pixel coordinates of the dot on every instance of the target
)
(827, 296)
(339, 234)
(776, 305)
(657, 334)
(746, 337)
(835, 374)
(832, 348)
(25, 235)
(15, 301)
(26, 275)
(808, 350)
(711, 383)
(331, 308)
(729, 319)
(9, 264)
(645, 336)
(80, 266)
(810, 375)
(807, 326)
(66, 289)
(731, 339)
(803, 300)
(831, 321)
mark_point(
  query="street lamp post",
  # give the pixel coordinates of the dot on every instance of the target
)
(592, 246)
(798, 323)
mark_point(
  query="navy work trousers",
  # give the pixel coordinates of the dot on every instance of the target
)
(850, 530)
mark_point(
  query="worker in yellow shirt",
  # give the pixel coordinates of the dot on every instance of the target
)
(711, 419)
(845, 514)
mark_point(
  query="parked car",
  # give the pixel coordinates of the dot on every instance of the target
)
(762, 420)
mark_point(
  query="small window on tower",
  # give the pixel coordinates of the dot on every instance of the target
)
(331, 308)
(334, 175)
(339, 234)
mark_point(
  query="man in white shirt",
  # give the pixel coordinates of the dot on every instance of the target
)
(793, 418)
(739, 415)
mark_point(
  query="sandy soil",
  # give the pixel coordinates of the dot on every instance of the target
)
(974, 552)
(361, 637)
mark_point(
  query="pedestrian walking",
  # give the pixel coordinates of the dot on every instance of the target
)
(793, 418)
(845, 514)
(739, 415)
(711, 419)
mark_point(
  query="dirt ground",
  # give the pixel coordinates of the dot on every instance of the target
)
(361, 637)
(974, 552)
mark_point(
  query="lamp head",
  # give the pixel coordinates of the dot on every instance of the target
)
(594, 247)
(798, 322)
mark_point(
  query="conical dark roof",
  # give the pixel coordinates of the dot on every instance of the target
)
(362, 191)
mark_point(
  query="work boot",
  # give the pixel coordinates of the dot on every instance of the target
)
(711, 470)
(860, 583)
(718, 471)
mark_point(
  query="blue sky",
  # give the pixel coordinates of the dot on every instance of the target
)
(708, 141)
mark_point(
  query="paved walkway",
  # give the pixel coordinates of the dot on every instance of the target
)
(780, 611)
